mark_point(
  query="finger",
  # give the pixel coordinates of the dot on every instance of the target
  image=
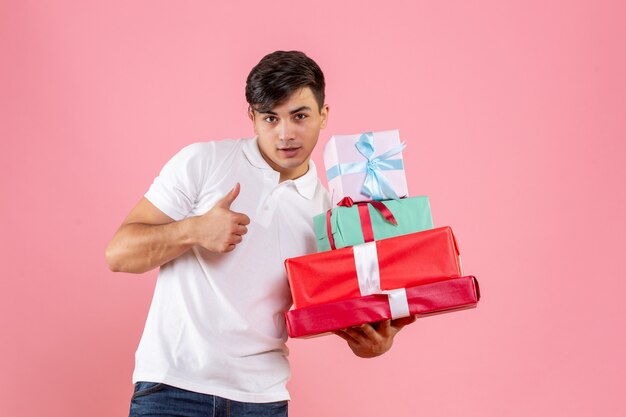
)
(229, 248)
(235, 239)
(240, 230)
(400, 323)
(355, 333)
(241, 218)
(228, 199)
(245, 220)
(370, 332)
(384, 327)
(364, 334)
(345, 336)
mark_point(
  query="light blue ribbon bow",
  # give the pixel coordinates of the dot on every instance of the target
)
(376, 186)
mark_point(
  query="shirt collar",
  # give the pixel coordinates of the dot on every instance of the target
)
(306, 184)
(253, 154)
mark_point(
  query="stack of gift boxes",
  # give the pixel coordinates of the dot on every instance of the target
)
(379, 256)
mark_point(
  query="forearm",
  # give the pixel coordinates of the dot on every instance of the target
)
(138, 247)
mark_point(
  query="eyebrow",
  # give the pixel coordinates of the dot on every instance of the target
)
(273, 113)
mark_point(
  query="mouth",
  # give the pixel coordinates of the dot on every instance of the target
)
(290, 151)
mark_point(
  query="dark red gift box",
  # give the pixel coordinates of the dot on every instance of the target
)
(424, 300)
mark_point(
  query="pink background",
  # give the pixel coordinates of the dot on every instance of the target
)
(515, 117)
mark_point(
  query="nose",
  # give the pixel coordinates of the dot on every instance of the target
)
(285, 130)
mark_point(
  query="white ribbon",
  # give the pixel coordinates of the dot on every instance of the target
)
(398, 303)
(366, 261)
(368, 275)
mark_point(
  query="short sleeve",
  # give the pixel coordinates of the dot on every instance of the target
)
(175, 191)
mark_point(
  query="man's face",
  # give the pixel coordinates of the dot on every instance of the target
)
(288, 133)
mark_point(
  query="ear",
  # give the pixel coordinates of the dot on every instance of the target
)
(324, 115)
(252, 119)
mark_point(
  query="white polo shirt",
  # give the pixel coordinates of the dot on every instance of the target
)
(216, 322)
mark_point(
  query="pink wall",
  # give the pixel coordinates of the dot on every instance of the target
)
(515, 117)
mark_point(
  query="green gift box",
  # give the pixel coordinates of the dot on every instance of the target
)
(349, 225)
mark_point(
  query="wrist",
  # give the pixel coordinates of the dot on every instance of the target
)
(186, 234)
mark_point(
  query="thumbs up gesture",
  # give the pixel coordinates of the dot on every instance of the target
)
(221, 229)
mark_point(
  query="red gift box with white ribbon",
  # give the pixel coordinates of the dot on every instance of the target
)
(387, 266)
(424, 300)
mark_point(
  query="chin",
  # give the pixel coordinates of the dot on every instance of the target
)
(291, 165)
(292, 162)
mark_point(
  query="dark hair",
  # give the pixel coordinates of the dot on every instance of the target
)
(278, 75)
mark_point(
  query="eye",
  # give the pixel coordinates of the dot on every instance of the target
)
(270, 119)
(301, 116)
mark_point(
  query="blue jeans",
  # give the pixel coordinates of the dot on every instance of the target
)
(156, 399)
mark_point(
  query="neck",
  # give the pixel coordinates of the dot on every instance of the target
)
(295, 173)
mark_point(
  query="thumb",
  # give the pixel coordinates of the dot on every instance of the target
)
(228, 199)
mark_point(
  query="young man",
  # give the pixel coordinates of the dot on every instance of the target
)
(219, 220)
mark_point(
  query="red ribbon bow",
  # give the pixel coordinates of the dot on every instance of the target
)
(364, 214)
